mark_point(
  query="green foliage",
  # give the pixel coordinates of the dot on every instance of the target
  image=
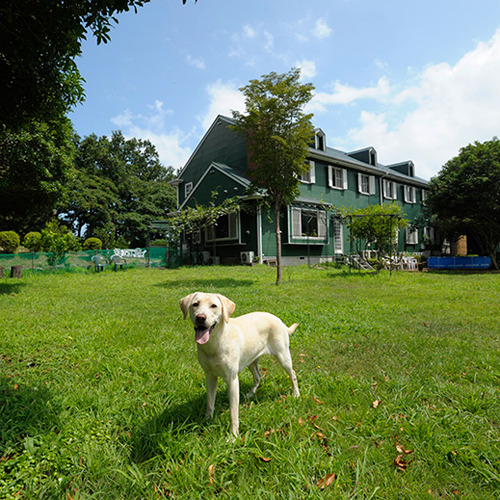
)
(278, 134)
(464, 198)
(159, 243)
(9, 241)
(92, 244)
(33, 241)
(58, 240)
(118, 187)
(39, 43)
(35, 168)
(376, 225)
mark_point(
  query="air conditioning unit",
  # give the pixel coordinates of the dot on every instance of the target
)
(214, 261)
(203, 257)
(246, 257)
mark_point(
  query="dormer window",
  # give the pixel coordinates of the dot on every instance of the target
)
(319, 140)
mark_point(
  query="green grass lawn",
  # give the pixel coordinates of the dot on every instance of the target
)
(101, 394)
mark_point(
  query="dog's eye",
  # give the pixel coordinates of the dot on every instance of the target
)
(196, 304)
(214, 306)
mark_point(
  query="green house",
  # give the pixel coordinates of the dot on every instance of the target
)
(310, 234)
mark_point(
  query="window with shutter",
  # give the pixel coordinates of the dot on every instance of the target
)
(337, 177)
(307, 224)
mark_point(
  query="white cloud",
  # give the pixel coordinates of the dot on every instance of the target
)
(197, 62)
(249, 32)
(345, 94)
(224, 98)
(307, 69)
(321, 29)
(452, 107)
(151, 126)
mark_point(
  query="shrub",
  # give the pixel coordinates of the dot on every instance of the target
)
(92, 244)
(33, 241)
(9, 241)
(159, 243)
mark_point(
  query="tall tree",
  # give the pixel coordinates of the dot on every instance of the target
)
(464, 198)
(119, 186)
(35, 166)
(39, 41)
(278, 134)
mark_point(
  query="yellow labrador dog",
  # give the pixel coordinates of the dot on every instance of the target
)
(227, 345)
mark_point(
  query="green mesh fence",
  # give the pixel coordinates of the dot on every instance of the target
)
(82, 261)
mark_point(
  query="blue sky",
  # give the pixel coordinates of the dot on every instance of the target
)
(415, 80)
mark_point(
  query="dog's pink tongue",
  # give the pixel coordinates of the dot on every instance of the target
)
(202, 336)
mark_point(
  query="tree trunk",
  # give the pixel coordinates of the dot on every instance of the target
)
(277, 210)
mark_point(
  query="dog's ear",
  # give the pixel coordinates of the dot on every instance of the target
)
(185, 302)
(228, 307)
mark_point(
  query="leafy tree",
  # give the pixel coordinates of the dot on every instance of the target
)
(57, 240)
(278, 135)
(376, 225)
(464, 198)
(35, 165)
(9, 241)
(92, 244)
(119, 186)
(39, 41)
(33, 241)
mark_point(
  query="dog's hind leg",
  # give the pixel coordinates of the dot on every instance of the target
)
(285, 360)
(254, 369)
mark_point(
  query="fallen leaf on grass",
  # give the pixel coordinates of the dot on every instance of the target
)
(317, 401)
(301, 421)
(263, 459)
(401, 449)
(400, 463)
(326, 481)
(211, 473)
(376, 403)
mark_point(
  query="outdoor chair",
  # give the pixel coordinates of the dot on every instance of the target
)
(100, 262)
(119, 262)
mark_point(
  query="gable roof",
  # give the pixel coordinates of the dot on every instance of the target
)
(225, 170)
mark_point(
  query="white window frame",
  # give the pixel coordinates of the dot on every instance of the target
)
(370, 182)
(188, 189)
(423, 195)
(320, 140)
(309, 176)
(233, 227)
(390, 191)
(411, 236)
(337, 178)
(410, 194)
(296, 230)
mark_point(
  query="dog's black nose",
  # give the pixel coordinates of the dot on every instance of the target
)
(201, 318)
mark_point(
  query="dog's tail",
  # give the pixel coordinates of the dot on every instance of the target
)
(292, 328)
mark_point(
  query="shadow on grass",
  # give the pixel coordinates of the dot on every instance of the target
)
(207, 284)
(8, 288)
(154, 436)
(24, 411)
